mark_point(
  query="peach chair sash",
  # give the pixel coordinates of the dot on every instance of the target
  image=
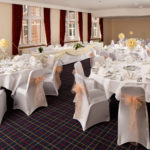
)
(38, 94)
(78, 90)
(91, 59)
(57, 75)
(134, 104)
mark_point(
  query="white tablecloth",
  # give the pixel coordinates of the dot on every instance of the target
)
(66, 55)
(14, 72)
(113, 85)
(11, 81)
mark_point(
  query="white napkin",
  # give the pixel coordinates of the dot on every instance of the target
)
(16, 58)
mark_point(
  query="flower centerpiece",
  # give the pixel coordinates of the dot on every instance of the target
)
(77, 45)
(121, 36)
(131, 43)
(3, 44)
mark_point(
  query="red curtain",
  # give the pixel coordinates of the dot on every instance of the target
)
(17, 15)
(80, 21)
(62, 26)
(89, 26)
(47, 25)
(101, 28)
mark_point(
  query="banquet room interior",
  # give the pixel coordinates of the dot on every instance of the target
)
(75, 74)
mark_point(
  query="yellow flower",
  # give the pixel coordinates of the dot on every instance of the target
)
(121, 36)
(131, 43)
(3, 43)
(131, 32)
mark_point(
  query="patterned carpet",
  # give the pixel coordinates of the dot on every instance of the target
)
(53, 127)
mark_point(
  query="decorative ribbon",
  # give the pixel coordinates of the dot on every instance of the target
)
(148, 49)
(105, 57)
(39, 94)
(134, 104)
(78, 99)
(57, 75)
(73, 72)
(92, 59)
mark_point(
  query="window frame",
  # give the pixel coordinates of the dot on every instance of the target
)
(97, 29)
(29, 19)
(74, 30)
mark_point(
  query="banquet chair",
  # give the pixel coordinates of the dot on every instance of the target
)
(133, 125)
(92, 56)
(79, 70)
(91, 106)
(52, 81)
(50, 64)
(3, 104)
(30, 95)
(97, 57)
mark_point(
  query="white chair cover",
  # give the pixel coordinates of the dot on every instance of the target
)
(51, 83)
(133, 125)
(79, 69)
(3, 106)
(30, 95)
(92, 107)
(99, 59)
(50, 64)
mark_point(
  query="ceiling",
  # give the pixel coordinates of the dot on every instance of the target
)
(94, 6)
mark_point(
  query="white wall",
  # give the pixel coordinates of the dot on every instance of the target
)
(55, 27)
(6, 24)
(113, 26)
(85, 26)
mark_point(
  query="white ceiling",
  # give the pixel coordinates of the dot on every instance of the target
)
(95, 6)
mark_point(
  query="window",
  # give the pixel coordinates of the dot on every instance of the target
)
(71, 26)
(95, 28)
(31, 26)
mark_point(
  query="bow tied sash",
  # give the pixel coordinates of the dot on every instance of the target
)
(78, 90)
(57, 75)
(38, 92)
(134, 104)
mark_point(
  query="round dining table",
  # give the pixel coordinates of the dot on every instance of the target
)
(14, 72)
(113, 75)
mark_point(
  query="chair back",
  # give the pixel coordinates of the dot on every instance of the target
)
(94, 52)
(132, 91)
(34, 74)
(50, 64)
(79, 81)
(99, 59)
(79, 69)
(54, 68)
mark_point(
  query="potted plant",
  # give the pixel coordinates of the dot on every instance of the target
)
(99, 40)
(40, 49)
